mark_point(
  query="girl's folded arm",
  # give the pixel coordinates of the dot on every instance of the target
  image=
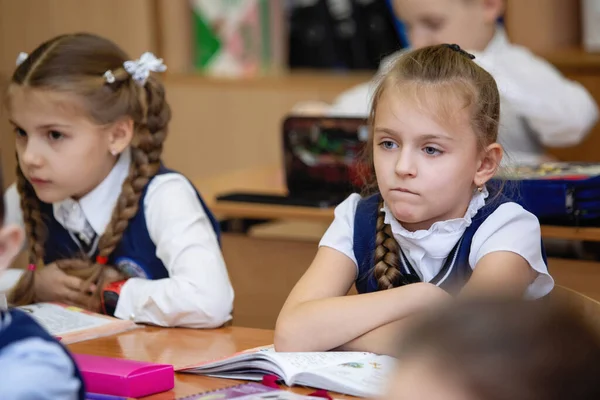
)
(318, 316)
(500, 273)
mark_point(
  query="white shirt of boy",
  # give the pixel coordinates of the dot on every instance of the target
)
(508, 228)
(539, 106)
(198, 293)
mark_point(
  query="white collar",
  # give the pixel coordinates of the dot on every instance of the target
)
(97, 206)
(438, 240)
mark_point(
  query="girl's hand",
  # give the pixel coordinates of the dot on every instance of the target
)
(110, 275)
(53, 284)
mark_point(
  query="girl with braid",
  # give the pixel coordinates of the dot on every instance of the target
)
(109, 228)
(432, 229)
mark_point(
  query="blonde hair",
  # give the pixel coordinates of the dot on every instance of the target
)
(447, 71)
(76, 64)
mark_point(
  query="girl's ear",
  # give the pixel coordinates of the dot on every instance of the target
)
(488, 164)
(492, 10)
(120, 135)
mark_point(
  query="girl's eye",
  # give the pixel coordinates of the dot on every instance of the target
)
(54, 135)
(388, 145)
(434, 24)
(432, 151)
(20, 132)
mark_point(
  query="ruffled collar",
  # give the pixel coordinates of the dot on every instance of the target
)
(451, 227)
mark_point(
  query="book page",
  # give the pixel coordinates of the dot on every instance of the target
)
(365, 377)
(294, 363)
(235, 358)
(290, 364)
(72, 323)
(59, 320)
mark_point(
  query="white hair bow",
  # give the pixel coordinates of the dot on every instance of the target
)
(140, 69)
(21, 58)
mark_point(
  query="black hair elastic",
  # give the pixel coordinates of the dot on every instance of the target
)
(457, 48)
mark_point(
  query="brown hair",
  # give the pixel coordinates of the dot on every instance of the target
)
(447, 71)
(501, 349)
(76, 64)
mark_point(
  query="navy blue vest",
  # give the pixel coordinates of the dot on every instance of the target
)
(135, 256)
(23, 327)
(455, 271)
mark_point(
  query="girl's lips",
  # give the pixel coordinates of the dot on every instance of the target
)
(38, 181)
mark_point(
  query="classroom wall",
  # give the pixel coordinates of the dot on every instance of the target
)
(222, 125)
(544, 25)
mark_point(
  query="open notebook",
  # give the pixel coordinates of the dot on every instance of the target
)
(355, 373)
(73, 324)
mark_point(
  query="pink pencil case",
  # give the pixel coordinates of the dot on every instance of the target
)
(127, 378)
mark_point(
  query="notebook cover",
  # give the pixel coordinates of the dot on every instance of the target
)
(120, 377)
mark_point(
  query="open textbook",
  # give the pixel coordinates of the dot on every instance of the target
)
(74, 324)
(354, 373)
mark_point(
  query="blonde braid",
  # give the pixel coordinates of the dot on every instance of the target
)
(387, 261)
(145, 154)
(145, 151)
(35, 229)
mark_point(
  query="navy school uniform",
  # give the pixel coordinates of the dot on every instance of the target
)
(134, 256)
(455, 271)
(16, 327)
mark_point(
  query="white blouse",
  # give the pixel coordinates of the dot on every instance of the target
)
(508, 228)
(197, 293)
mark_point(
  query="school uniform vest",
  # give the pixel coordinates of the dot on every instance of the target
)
(455, 271)
(23, 327)
(134, 256)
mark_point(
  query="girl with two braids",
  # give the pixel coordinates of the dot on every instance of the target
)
(429, 228)
(109, 227)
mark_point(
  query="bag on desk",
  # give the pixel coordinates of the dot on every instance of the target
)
(557, 193)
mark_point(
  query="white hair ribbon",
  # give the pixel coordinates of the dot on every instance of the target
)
(21, 57)
(140, 69)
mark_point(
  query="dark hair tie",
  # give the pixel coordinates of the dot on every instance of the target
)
(457, 48)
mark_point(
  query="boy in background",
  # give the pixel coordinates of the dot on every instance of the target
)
(539, 107)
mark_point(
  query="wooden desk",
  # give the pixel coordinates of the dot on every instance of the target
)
(270, 180)
(181, 347)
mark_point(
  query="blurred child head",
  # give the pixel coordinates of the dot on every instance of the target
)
(468, 23)
(11, 237)
(500, 349)
(75, 109)
(434, 123)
